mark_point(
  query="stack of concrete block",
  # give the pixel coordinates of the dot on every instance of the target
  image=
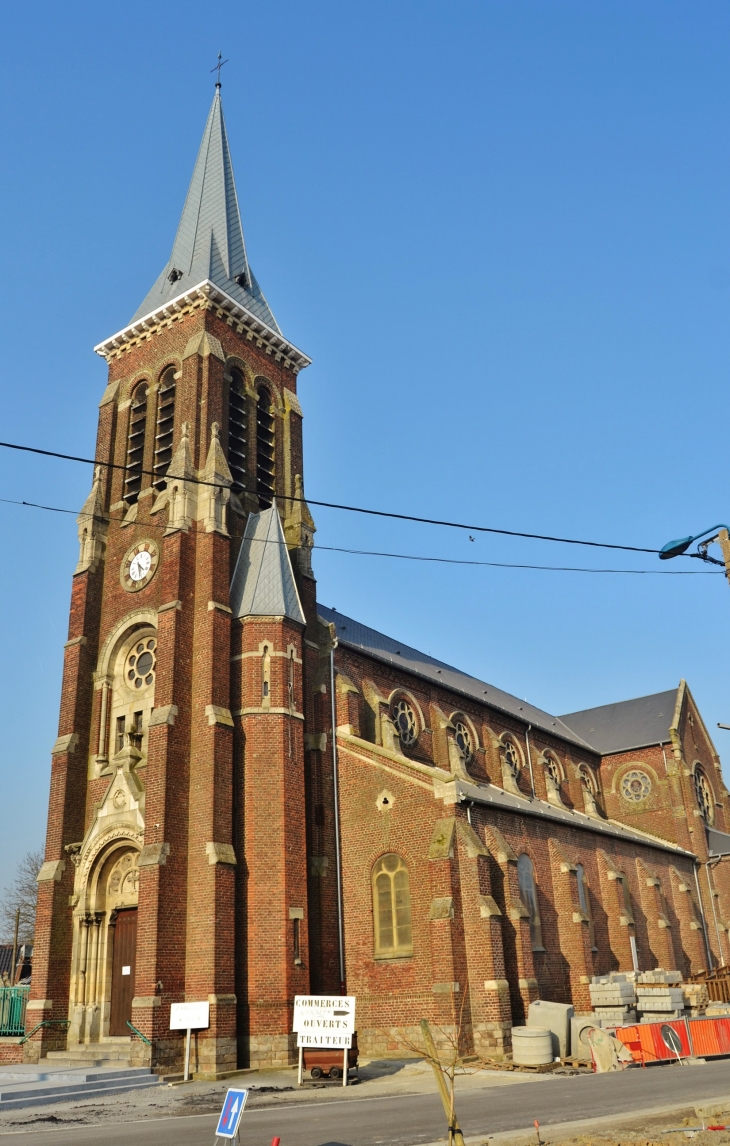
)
(717, 1010)
(613, 999)
(695, 997)
(669, 978)
(659, 1004)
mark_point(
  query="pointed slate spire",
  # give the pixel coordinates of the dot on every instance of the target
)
(209, 244)
(263, 582)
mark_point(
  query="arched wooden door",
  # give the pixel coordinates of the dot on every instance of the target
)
(123, 967)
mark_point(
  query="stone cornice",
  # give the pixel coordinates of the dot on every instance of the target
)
(205, 296)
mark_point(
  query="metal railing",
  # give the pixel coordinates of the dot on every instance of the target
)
(13, 1001)
(139, 1034)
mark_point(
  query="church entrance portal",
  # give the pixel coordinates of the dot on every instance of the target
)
(123, 966)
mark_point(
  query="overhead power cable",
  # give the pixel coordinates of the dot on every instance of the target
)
(347, 508)
(402, 556)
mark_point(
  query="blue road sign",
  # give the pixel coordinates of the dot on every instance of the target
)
(231, 1114)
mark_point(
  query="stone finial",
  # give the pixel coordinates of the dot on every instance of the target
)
(92, 528)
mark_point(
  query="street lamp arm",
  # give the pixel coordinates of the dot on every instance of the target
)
(682, 544)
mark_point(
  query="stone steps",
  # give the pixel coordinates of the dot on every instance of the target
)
(109, 1052)
(43, 1087)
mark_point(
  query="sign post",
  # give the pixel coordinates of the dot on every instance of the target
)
(230, 1115)
(187, 1017)
(326, 1021)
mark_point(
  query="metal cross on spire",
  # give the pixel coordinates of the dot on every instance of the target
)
(218, 67)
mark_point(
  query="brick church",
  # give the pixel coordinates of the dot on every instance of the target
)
(253, 796)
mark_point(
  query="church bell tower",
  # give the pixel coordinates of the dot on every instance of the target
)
(176, 856)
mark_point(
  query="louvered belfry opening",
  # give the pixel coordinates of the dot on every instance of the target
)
(164, 428)
(237, 425)
(264, 449)
(135, 444)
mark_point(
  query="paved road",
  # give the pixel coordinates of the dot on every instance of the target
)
(418, 1118)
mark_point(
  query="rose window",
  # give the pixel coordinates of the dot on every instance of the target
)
(705, 798)
(463, 740)
(406, 725)
(141, 664)
(511, 758)
(635, 786)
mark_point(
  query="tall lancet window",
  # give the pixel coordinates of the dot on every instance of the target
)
(165, 426)
(135, 444)
(265, 449)
(237, 426)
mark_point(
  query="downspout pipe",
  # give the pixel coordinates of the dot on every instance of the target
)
(336, 799)
(529, 759)
(702, 914)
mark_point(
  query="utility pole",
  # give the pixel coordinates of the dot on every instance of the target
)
(15, 948)
(723, 540)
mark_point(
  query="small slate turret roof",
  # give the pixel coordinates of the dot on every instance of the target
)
(263, 582)
(209, 245)
(626, 725)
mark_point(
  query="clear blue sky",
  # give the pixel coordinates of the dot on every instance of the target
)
(500, 229)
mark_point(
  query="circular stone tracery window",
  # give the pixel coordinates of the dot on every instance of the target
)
(406, 725)
(463, 740)
(140, 669)
(635, 786)
(705, 798)
(511, 758)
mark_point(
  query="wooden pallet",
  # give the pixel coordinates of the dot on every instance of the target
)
(543, 1068)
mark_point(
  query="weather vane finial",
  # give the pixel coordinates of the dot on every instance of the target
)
(218, 67)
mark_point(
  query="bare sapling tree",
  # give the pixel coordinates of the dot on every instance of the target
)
(447, 1061)
(20, 896)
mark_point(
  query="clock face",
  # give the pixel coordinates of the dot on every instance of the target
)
(139, 565)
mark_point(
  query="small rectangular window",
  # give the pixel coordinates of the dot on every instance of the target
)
(297, 949)
(136, 729)
(121, 721)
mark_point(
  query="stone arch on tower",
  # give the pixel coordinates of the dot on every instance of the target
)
(127, 693)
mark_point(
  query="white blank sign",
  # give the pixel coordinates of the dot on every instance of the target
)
(184, 1016)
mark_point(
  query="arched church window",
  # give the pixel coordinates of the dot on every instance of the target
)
(126, 721)
(587, 779)
(135, 444)
(463, 738)
(406, 724)
(584, 900)
(237, 427)
(265, 455)
(392, 908)
(528, 894)
(705, 796)
(511, 757)
(164, 428)
(553, 769)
